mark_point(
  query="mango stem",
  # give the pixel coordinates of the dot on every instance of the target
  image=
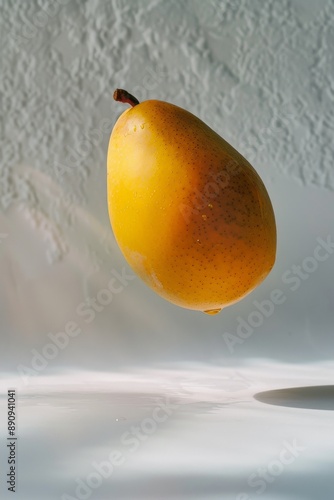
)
(124, 96)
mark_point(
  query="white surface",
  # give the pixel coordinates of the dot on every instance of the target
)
(217, 440)
(261, 74)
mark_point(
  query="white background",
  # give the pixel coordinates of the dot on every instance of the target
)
(261, 74)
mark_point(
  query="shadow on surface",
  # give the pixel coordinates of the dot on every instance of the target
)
(319, 397)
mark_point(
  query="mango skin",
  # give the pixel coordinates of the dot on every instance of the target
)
(190, 214)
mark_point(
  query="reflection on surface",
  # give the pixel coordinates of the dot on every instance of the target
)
(313, 397)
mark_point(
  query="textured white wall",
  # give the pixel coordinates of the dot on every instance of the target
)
(260, 73)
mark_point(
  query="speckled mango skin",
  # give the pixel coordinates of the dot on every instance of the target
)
(190, 214)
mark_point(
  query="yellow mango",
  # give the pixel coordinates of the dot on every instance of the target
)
(190, 214)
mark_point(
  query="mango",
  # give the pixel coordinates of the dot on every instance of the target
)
(190, 214)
